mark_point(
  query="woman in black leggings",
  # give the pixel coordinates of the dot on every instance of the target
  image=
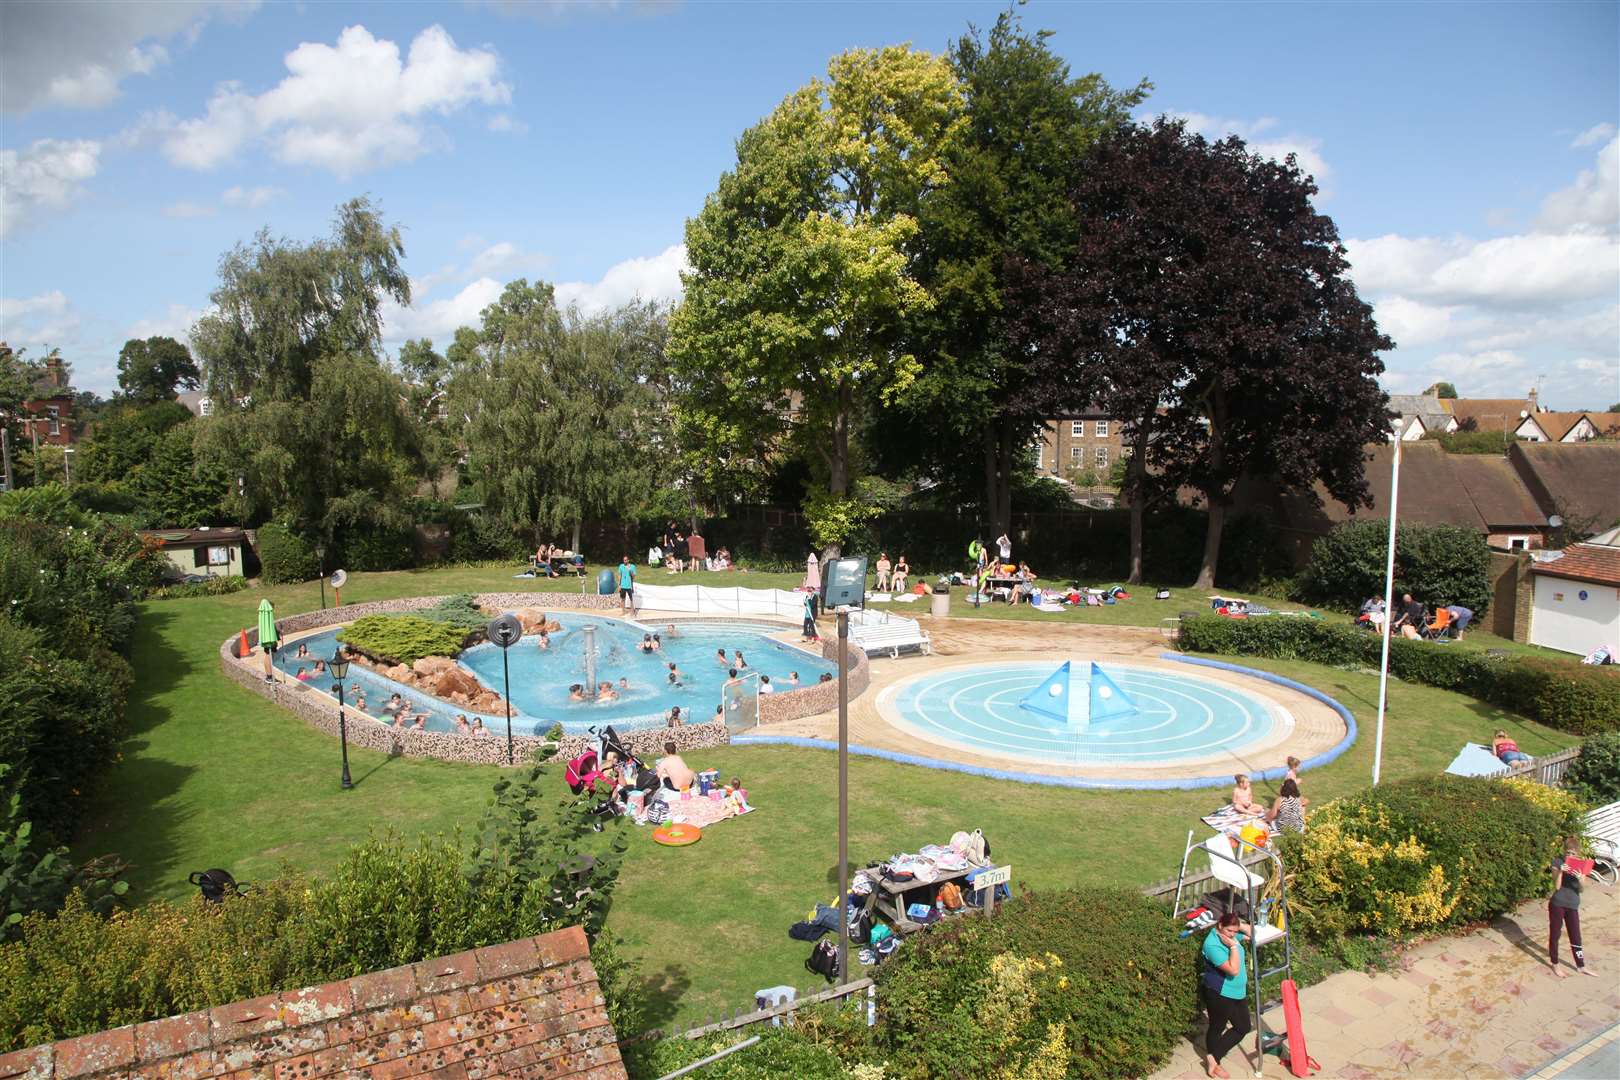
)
(1564, 911)
(1225, 991)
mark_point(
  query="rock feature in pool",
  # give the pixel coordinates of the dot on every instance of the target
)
(1179, 719)
(541, 678)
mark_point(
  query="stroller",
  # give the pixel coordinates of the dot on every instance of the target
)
(216, 884)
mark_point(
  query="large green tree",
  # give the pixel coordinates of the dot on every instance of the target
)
(1028, 125)
(154, 368)
(800, 285)
(562, 421)
(307, 419)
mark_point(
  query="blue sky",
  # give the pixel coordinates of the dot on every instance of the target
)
(1467, 151)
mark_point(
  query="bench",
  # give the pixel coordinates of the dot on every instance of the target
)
(881, 632)
(1603, 830)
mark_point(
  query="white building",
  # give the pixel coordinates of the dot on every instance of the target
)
(1576, 606)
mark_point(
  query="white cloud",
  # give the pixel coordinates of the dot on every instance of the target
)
(439, 319)
(1526, 271)
(1592, 202)
(189, 210)
(1412, 322)
(76, 55)
(657, 277)
(252, 198)
(1593, 135)
(176, 323)
(47, 176)
(46, 319)
(346, 109)
(1263, 139)
(506, 124)
(505, 258)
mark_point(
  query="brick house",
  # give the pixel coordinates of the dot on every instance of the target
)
(50, 416)
(526, 1008)
(1091, 439)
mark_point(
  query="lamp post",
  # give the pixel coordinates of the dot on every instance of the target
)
(1389, 608)
(340, 670)
(505, 631)
(320, 554)
(843, 588)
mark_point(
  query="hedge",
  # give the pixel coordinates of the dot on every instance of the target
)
(1088, 982)
(214, 586)
(285, 557)
(1440, 564)
(1595, 775)
(1579, 698)
(1425, 854)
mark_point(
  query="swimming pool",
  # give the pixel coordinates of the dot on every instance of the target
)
(540, 678)
(1180, 718)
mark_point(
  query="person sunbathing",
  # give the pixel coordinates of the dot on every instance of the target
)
(1243, 797)
(1506, 749)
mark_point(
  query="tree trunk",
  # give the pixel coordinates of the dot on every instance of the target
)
(1005, 455)
(1136, 485)
(838, 460)
(987, 514)
(575, 545)
(1212, 546)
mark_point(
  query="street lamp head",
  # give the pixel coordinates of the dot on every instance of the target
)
(339, 664)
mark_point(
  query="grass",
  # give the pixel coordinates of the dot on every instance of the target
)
(213, 775)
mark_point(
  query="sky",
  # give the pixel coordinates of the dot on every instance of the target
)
(1467, 151)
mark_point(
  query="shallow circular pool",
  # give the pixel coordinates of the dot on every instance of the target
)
(1177, 719)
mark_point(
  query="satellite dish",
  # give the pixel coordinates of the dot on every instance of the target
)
(1555, 521)
(339, 577)
(505, 630)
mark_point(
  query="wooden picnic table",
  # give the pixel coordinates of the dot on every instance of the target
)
(893, 897)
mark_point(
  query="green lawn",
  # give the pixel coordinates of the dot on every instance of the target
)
(215, 776)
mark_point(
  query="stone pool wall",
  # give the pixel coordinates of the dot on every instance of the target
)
(320, 711)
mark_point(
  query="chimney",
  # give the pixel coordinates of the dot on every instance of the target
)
(55, 376)
(1532, 397)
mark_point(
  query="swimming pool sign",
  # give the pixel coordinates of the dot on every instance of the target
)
(845, 584)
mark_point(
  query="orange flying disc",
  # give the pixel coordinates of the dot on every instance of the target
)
(677, 835)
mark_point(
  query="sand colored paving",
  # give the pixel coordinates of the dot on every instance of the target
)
(1314, 728)
(1482, 1004)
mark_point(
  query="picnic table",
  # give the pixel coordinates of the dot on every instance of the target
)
(1008, 582)
(893, 897)
(562, 564)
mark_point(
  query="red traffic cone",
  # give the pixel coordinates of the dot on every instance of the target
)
(242, 646)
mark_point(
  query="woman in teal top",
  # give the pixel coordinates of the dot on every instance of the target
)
(1225, 991)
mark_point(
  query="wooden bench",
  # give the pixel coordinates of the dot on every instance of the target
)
(881, 632)
(1603, 830)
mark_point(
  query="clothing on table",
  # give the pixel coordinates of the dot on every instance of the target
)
(1290, 814)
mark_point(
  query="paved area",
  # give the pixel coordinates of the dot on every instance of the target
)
(1315, 728)
(1484, 1004)
(1596, 1059)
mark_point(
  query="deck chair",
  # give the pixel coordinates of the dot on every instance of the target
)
(1440, 628)
(1226, 869)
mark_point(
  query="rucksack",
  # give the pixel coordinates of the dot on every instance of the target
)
(860, 927)
(823, 960)
(950, 896)
(578, 769)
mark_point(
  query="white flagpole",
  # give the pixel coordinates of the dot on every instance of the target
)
(1389, 606)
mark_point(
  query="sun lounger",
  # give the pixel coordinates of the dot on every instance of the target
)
(881, 632)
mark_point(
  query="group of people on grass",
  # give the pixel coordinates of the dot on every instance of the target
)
(550, 560)
(1286, 812)
(1413, 619)
(677, 552)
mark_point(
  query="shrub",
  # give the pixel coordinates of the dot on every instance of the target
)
(286, 557)
(1595, 776)
(1085, 983)
(48, 504)
(460, 611)
(1423, 855)
(377, 547)
(481, 535)
(781, 1052)
(1438, 564)
(1577, 698)
(402, 639)
(35, 876)
(214, 586)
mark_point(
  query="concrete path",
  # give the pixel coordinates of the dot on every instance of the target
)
(1485, 1004)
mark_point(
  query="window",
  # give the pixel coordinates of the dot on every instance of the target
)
(1077, 452)
(219, 556)
(1518, 543)
(56, 419)
(1102, 429)
(1102, 457)
(1077, 428)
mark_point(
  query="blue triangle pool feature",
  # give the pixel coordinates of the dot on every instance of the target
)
(1051, 698)
(1107, 699)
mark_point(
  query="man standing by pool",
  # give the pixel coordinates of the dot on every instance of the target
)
(627, 584)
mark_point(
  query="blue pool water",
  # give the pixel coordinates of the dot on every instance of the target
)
(540, 678)
(1179, 718)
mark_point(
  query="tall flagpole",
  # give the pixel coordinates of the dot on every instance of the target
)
(1389, 606)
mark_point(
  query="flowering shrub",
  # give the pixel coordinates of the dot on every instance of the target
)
(1424, 854)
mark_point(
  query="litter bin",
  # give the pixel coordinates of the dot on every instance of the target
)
(939, 605)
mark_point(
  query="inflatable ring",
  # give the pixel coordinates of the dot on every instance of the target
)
(677, 835)
(974, 548)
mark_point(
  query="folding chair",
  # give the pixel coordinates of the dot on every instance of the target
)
(1440, 628)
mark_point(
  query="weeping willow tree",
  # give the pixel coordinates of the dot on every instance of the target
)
(560, 416)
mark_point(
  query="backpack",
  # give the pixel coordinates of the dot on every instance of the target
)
(823, 961)
(860, 927)
(950, 896)
(578, 769)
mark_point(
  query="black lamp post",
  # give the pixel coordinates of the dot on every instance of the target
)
(505, 631)
(320, 553)
(339, 664)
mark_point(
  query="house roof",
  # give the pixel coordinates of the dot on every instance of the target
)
(192, 399)
(1435, 421)
(194, 537)
(1411, 404)
(1476, 491)
(1596, 563)
(1492, 414)
(526, 1008)
(1576, 480)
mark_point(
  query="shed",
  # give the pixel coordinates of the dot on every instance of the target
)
(1577, 599)
(204, 552)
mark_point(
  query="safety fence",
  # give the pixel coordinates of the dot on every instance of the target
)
(704, 600)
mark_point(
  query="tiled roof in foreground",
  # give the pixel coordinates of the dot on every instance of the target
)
(528, 1008)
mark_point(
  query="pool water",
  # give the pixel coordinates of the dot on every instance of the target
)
(1180, 718)
(540, 678)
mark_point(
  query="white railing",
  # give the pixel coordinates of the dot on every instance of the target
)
(704, 600)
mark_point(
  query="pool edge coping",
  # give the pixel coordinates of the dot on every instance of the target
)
(1048, 780)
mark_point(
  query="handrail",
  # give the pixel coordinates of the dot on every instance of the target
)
(758, 1015)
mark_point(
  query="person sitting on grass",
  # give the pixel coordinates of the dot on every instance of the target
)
(1288, 812)
(1505, 748)
(901, 570)
(884, 566)
(1411, 620)
(1243, 797)
(673, 771)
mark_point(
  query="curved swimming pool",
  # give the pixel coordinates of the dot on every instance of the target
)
(1179, 718)
(541, 677)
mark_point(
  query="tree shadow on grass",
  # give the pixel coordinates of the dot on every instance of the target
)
(661, 993)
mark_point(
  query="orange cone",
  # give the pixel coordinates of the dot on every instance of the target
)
(242, 647)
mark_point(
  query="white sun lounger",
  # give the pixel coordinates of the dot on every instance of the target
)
(881, 632)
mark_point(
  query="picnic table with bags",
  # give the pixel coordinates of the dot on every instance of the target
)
(936, 879)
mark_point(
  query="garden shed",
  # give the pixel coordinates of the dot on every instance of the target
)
(201, 552)
(1577, 597)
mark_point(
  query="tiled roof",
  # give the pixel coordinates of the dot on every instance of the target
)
(1584, 562)
(1492, 414)
(1476, 491)
(528, 1008)
(1580, 481)
(1557, 425)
